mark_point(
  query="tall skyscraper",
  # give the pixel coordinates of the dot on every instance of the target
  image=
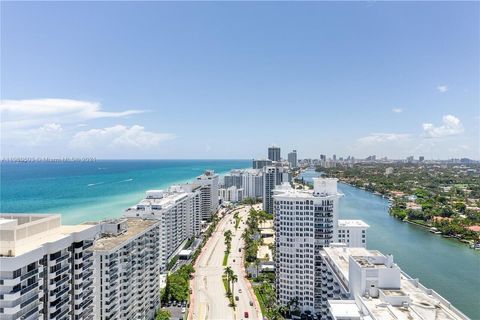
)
(270, 178)
(274, 153)
(304, 223)
(292, 159)
(209, 193)
(421, 158)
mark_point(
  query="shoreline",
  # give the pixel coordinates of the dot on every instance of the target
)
(427, 228)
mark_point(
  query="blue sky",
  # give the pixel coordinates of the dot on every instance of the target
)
(227, 79)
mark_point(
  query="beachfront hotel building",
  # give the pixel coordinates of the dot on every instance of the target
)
(361, 284)
(231, 194)
(208, 183)
(250, 180)
(127, 269)
(304, 222)
(179, 210)
(46, 268)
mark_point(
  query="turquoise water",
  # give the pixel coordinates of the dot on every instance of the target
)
(445, 265)
(82, 191)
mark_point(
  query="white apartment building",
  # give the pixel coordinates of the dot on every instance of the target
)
(179, 211)
(363, 284)
(231, 194)
(46, 268)
(304, 223)
(127, 269)
(250, 180)
(208, 183)
(352, 232)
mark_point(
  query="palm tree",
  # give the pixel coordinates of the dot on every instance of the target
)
(228, 274)
(233, 279)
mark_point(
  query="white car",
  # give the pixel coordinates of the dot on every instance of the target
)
(184, 309)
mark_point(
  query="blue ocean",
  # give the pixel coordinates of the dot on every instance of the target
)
(83, 191)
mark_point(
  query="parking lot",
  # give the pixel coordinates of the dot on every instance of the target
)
(176, 311)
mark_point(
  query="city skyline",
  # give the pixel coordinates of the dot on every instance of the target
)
(180, 80)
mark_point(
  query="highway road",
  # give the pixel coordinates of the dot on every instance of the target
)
(209, 301)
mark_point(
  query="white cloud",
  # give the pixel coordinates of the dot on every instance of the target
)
(118, 137)
(36, 136)
(442, 88)
(451, 126)
(397, 110)
(375, 138)
(34, 112)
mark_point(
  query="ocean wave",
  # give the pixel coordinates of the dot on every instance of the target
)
(126, 180)
(94, 184)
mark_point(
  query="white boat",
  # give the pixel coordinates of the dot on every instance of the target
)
(435, 230)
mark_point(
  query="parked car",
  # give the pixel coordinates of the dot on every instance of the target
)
(184, 309)
(236, 298)
(245, 314)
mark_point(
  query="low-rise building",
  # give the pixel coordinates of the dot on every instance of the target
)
(352, 232)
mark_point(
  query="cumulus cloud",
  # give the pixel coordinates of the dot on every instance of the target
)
(442, 88)
(375, 138)
(34, 112)
(117, 137)
(36, 136)
(397, 110)
(451, 126)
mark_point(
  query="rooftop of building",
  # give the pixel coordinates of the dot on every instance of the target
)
(340, 255)
(135, 227)
(352, 224)
(344, 309)
(420, 303)
(21, 233)
(163, 199)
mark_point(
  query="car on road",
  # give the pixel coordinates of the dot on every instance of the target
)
(251, 303)
(245, 314)
(236, 298)
(239, 290)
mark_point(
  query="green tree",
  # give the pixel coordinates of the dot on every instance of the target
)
(163, 315)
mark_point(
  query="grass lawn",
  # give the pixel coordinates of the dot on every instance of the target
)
(225, 259)
(260, 300)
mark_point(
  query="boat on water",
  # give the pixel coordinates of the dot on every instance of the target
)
(435, 230)
(475, 246)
